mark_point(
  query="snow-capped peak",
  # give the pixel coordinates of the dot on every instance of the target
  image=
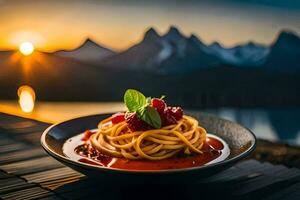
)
(249, 54)
(177, 40)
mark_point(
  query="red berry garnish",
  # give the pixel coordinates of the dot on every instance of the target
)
(177, 112)
(167, 118)
(118, 117)
(87, 134)
(158, 104)
(135, 123)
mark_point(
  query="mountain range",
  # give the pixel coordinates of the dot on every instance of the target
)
(185, 69)
(173, 52)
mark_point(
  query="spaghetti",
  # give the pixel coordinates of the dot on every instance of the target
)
(118, 140)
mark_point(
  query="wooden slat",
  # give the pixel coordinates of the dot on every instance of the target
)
(31, 166)
(12, 147)
(33, 137)
(4, 175)
(28, 193)
(291, 193)
(49, 177)
(10, 182)
(16, 187)
(21, 155)
(271, 177)
(22, 124)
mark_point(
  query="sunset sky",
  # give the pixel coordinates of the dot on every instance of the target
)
(52, 25)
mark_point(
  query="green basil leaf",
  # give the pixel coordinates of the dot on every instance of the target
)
(151, 117)
(148, 100)
(134, 100)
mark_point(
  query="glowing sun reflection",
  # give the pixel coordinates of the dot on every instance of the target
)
(26, 98)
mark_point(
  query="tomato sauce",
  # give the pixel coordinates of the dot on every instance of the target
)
(214, 149)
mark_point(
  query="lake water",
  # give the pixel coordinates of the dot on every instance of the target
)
(275, 124)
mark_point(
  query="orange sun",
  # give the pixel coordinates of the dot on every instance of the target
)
(26, 48)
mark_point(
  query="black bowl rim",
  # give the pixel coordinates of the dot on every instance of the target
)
(90, 166)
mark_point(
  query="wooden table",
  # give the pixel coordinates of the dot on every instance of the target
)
(27, 172)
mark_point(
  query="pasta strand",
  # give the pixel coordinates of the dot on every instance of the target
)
(118, 140)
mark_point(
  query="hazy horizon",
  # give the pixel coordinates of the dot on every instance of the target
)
(54, 25)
